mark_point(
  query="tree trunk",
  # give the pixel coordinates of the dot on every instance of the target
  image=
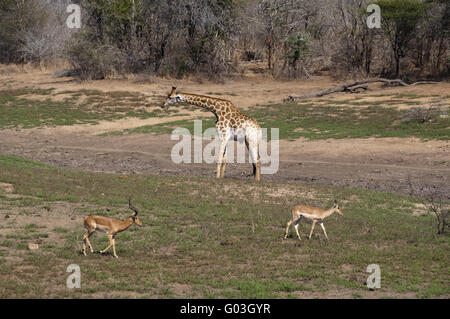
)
(397, 64)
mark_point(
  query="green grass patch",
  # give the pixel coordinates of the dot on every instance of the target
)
(328, 119)
(199, 241)
(319, 119)
(18, 109)
(19, 162)
(26, 113)
(324, 121)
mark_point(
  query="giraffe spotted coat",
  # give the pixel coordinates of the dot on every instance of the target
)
(231, 124)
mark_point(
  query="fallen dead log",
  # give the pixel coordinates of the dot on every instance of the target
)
(357, 88)
(350, 86)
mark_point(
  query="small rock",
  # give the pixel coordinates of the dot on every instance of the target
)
(224, 243)
(6, 216)
(32, 246)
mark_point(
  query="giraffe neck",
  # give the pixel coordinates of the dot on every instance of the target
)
(209, 103)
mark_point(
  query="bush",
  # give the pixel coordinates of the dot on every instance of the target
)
(421, 115)
(175, 39)
(32, 30)
(96, 61)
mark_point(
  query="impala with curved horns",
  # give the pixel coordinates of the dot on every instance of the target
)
(110, 226)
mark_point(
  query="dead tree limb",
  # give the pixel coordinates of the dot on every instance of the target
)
(349, 86)
(357, 88)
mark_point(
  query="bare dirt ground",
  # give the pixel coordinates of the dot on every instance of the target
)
(380, 164)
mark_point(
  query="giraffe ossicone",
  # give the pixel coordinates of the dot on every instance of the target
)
(231, 123)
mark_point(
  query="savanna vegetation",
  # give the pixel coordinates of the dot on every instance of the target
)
(199, 241)
(208, 238)
(209, 38)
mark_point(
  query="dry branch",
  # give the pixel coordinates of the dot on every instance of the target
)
(357, 88)
(350, 86)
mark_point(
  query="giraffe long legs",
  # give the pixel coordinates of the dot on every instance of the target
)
(221, 156)
(220, 159)
(252, 146)
(224, 163)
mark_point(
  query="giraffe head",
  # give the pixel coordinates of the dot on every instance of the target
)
(173, 97)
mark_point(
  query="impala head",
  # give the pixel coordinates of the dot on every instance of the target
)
(337, 209)
(134, 217)
(173, 97)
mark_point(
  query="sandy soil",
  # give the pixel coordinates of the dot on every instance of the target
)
(242, 92)
(382, 164)
(251, 88)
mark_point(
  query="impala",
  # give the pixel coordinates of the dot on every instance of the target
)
(312, 213)
(110, 226)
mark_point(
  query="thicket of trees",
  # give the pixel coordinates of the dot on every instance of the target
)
(178, 37)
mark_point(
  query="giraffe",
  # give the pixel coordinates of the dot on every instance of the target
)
(231, 123)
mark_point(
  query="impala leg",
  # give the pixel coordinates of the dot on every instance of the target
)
(89, 242)
(86, 240)
(297, 222)
(110, 244)
(289, 223)
(312, 228)
(324, 231)
(84, 245)
(114, 247)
